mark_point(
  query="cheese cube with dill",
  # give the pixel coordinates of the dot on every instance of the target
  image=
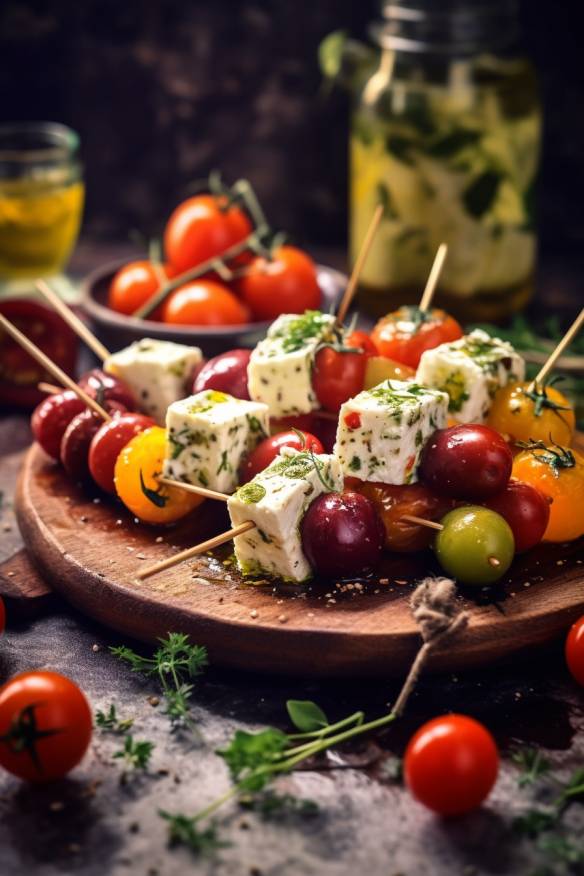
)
(207, 436)
(156, 372)
(471, 370)
(382, 431)
(276, 501)
(280, 367)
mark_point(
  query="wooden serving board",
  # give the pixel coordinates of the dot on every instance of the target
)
(89, 549)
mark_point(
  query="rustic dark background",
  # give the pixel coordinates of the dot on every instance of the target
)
(162, 91)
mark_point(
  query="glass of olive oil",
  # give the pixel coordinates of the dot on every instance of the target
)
(41, 199)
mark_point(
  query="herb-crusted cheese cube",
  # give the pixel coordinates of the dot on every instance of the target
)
(280, 367)
(207, 436)
(382, 430)
(155, 371)
(276, 501)
(471, 370)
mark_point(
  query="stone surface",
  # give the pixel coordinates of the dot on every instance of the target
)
(91, 824)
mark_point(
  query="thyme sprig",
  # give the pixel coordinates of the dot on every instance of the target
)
(135, 753)
(175, 663)
(111, 722)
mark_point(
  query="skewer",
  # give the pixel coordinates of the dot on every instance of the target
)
(49, 388)
(433, 277)
(359, 264)
(72, 320)
(51, 367)
(193, 488)
(555, 355)
(194, 551)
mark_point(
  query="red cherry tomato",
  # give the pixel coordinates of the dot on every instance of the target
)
(135, 284)
(404, 335)
(105, 388)
(2, 616)
(526, 510)
(51, 418)
(45, 726)
(337, 377)
(109, 441)
(268, 449)
(393, 503)
(19, 373)
(466, 462)
(575, 651)
(77, 438)
(225, 373)
(451, 764)
(285, 284)
(202, 227)
(204, 302)
(362, 340)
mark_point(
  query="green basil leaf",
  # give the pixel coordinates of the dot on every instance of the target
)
(306, 715)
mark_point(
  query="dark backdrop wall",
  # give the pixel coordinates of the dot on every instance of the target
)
(165, 90)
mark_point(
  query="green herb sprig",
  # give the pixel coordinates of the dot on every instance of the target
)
(110, 721)
(175, 663)
(135, 753)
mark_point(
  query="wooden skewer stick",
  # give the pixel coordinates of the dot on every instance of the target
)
(421, 521)
(193, 488)
(359, 264)
(194, 551)
(72, 320)
(49, 388)
(434, 276)
(51, 367)
(553, 358)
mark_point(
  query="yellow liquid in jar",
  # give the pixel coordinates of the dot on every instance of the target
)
(39, 224)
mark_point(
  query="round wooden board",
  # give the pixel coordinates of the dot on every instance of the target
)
(90, 549)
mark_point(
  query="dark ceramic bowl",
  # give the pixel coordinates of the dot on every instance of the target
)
(116, 330)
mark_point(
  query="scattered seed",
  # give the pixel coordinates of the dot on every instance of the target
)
(154, 701)
(253, 613)
(95, 648)
(282, 618)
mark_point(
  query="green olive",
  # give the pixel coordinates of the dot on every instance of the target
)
(475, 546)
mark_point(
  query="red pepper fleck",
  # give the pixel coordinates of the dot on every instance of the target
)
(353, 420)
(410, 462)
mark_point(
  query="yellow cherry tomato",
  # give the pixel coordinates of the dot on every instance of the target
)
(558, 472)
(379, 368)
(138, 468)
(542, 415)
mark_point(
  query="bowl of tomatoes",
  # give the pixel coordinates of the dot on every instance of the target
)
(220, 278)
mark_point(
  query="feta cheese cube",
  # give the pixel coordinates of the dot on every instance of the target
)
(280, 367)
(382, 430)
(471, 370)
(155, 371)
(276, 501)
(207, 436)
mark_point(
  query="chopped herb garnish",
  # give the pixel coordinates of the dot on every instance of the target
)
(251, 493)
(296, 333)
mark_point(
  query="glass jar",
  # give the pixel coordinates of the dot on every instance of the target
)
(446, 133)
(41, 199)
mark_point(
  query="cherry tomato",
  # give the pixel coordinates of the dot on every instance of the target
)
(45, 726)
(557, 472)
(202, 227)
(475, 546)
(337, 377)
(75, 443)
(135, 284)
(342, 535)
(226, 373)
(19, 373)
(302, 422)
(394, 502)
(285, 284)
(109, 441)
(268, 449)
(526, 510)
(574, 650)
(379, 369)
(204, 302)
(407, 333)
(451, 764)
(136, 480)
(362, 341)
(466, 462)
(2, 616)
(51, 418)
(105, 387)
(540, 415)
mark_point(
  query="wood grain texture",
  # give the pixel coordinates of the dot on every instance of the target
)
(90, 550)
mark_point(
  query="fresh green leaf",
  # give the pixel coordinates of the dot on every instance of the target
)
(330, 53)
(533, 765)
(481, 193)
(136, 753)
(249, 752)
(110, 721)
(183, 830)
(306, 715)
